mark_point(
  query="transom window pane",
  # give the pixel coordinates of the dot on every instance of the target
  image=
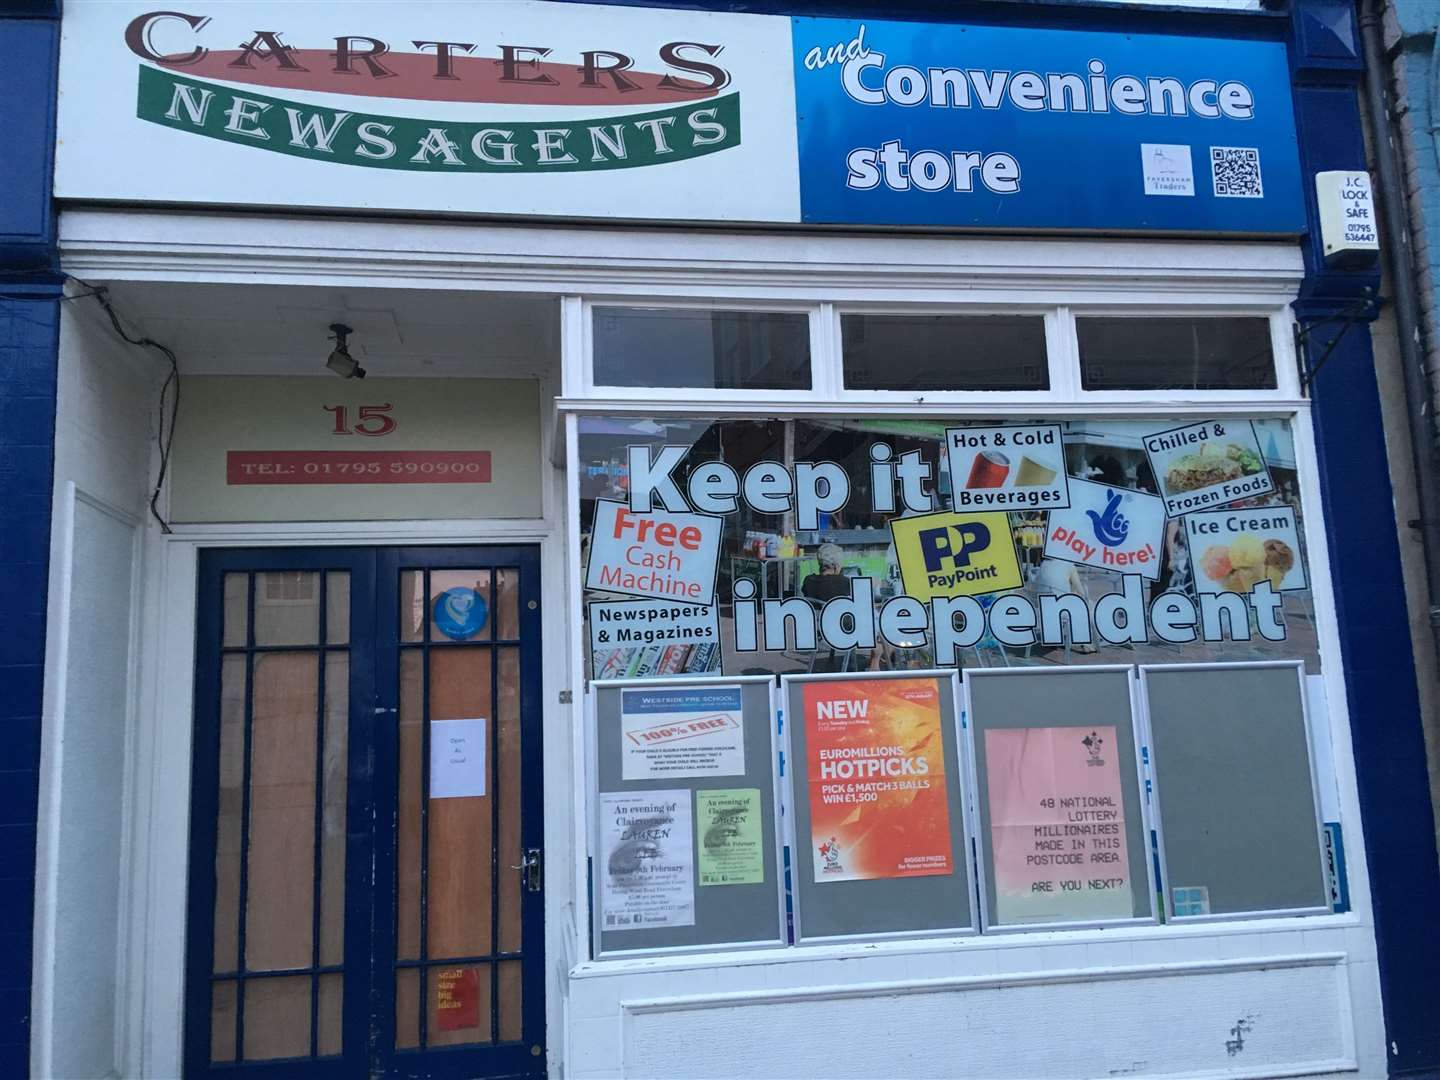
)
(715, 350)
(944, 352)
(1129, 353)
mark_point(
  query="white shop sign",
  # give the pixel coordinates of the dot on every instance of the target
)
(504, 107)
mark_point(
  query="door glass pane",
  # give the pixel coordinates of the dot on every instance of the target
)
(281, 856)
(507, 786)
(287, 608)
(235, 612)
(412, 605)
(332, 830)
(511, 1029)
(328, 1013)
(407, 841)
(277, 1018)
(229, 806)
(337, 607)
(407, 1008)
(507, 604)
(460, 829)
(461, 605)
(222, 1021)
(459, 1005)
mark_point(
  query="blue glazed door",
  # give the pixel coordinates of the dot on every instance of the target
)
(366, 876)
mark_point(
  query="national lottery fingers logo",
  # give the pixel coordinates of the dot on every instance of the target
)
(949, 554)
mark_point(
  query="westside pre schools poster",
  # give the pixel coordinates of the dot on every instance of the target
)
(875, 762)
(682, 731)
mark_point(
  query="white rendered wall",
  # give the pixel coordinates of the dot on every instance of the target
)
(101, 466)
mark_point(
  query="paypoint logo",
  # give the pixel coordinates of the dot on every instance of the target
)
(952, 554)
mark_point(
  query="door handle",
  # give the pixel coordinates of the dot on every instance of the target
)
(532, 869)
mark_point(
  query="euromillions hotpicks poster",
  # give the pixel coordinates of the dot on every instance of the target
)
(878, 806)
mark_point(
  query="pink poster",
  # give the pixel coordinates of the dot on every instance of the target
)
(1057, 825)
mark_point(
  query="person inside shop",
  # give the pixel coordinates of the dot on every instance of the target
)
(831, 582)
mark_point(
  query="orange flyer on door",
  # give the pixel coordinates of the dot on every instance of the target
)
(876, 768)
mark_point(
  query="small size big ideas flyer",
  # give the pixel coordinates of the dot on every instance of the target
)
(876, 769)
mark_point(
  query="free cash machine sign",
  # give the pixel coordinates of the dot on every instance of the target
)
(501, 107)
(1004, 126)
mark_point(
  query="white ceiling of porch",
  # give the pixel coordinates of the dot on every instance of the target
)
(275, 329)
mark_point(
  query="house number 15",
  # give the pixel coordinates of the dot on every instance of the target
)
(374, 420)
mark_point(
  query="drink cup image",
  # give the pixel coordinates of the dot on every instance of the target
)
(990, 469)
(1032, 474)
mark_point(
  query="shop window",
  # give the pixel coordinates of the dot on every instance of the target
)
(1150, 353)
(1199, 539)
(944, 352)
(708, 350)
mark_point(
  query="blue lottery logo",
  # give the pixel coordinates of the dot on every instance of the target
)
(460, 613)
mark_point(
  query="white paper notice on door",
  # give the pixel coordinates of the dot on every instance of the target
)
(457, 758)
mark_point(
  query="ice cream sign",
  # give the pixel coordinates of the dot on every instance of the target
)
(1209, 464)
(1235, 550)
(1110, 528)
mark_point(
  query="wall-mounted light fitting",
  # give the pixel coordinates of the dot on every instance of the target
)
(340, 361)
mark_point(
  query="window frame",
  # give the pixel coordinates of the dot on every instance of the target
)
(589, 386)
(827, 362)
(1244, 291)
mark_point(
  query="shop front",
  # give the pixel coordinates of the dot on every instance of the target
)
(821, 557)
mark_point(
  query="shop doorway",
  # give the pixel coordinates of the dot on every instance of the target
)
(366, 873)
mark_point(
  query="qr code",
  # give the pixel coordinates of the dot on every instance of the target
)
(1235, 171)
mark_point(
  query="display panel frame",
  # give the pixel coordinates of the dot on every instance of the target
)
(960, 804)
(1157, 811)
(775, 866)
(983, 852)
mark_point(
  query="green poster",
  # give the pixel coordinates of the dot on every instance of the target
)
(731, 850)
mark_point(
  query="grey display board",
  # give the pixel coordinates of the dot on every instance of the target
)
(1235, 790)
(1066, 827)
(829, 909)
(724, 913)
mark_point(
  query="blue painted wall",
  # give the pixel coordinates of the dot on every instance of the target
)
(29, 329)
(1365, 558)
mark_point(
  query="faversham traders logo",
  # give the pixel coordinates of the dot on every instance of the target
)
(194, 91)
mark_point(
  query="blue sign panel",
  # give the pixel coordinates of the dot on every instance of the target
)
(1004, 127)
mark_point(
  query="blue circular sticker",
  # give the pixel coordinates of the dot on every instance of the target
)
(460, 613)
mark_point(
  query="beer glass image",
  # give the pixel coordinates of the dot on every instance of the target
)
(989, 470)
(1032, 474)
